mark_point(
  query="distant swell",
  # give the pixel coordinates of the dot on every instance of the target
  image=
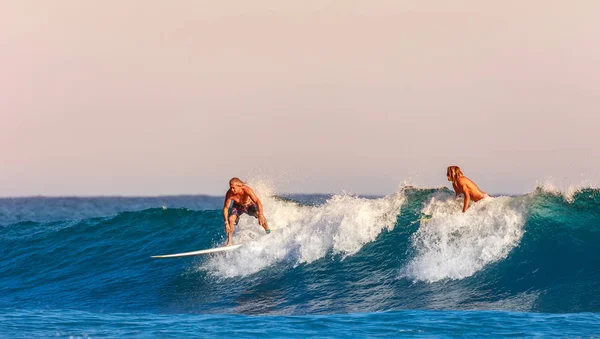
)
(411, 250)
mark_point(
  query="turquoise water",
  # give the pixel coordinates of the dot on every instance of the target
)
(334, 266)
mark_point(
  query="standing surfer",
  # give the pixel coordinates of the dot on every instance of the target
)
(244, 201)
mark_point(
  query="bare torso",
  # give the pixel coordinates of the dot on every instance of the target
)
(242, 198)
(475, 192)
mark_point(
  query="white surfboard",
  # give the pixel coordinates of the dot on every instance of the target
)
(189, 254)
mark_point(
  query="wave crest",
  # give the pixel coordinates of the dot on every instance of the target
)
(303, 234)
(455, 245)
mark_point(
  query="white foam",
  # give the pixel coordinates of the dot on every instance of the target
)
(302, 234)
(455, 245)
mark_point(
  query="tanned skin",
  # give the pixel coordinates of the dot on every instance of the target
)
(465, 186)
(242, 195)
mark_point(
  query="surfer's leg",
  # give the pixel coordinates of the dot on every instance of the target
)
(231, 223)
(262, 221)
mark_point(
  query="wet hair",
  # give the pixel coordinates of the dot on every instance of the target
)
(235, 181)
(454, 172)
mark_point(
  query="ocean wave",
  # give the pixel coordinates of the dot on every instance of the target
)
(413, 249)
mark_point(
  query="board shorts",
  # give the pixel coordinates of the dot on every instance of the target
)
(238, 210)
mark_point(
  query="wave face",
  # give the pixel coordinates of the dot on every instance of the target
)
(340, 254)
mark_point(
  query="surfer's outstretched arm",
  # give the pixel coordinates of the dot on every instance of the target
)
(229, 224)
(226, 207)
(467, 198)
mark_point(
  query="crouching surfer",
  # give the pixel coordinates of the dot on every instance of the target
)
(244, 201)
(464, 185)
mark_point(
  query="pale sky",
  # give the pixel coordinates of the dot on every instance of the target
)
(176, 97)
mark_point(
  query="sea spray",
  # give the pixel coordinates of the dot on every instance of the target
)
(303, 234)
(455, 245)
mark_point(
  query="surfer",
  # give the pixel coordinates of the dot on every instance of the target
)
(464, 185)
(244, 201)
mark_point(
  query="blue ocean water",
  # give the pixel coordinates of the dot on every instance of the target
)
(337, 266)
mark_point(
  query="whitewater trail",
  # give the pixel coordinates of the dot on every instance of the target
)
(303, 234)
(455, 245)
